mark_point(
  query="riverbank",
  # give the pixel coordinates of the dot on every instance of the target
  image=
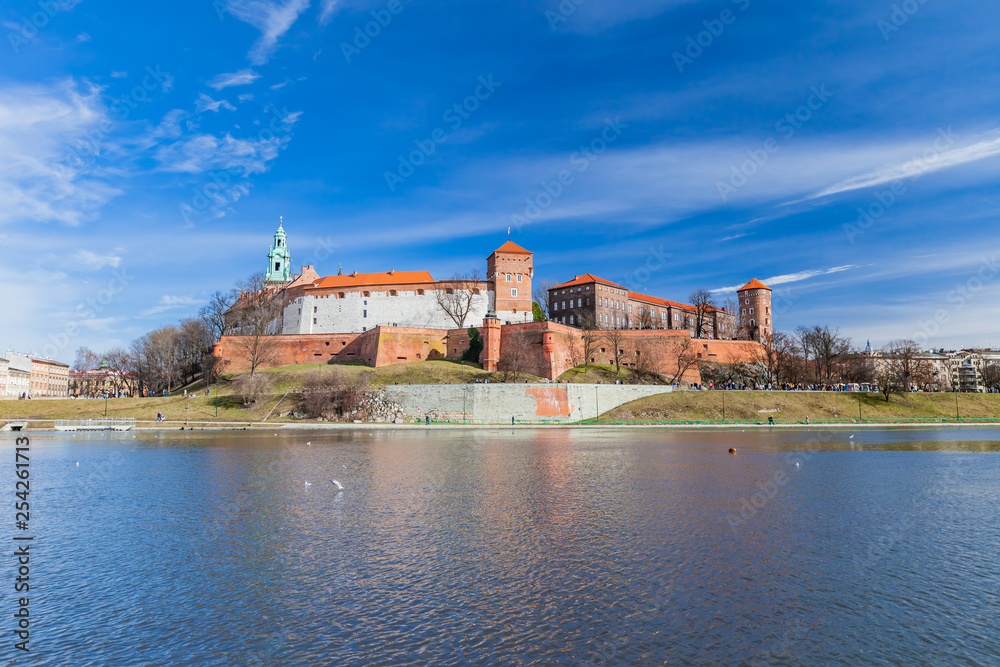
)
(700, 409)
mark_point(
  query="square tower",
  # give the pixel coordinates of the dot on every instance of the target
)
(755, 310)
(509, 270)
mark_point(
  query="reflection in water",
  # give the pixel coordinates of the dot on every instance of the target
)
(518, 546)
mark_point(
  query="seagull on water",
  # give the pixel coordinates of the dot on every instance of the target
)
(852, 437)
(340, 487)
(308, 484)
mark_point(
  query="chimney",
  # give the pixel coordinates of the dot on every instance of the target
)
(354, 275)
(392, 271)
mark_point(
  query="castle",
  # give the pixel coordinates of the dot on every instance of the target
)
(401, 316)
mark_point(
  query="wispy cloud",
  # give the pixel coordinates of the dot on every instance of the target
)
(786, 278)
(170, 302)
(240, 78)
(206, 103)
(39, 125)
(931, 161)
(91, 260)
(271, 18)
(327, 9)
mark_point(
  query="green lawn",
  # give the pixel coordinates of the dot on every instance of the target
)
(805, 404)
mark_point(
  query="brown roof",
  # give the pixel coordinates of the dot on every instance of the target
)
(512, 247)
(373, 279)
(588, 278)
(754, 284)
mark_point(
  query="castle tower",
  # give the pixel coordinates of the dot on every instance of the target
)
(509, 270)
(279, 267)
(755, 309)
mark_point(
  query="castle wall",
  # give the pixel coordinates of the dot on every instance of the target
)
(556, 403)
(326, 313)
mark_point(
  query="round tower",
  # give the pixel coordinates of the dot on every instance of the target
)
(755, 310)
(279, 266)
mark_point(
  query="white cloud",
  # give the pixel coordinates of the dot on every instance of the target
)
(246, 97)
(271, 18)
(48, 132)
(169, 302)
(327, 9)
(206, 103)
(91, 260)
(931, 160)
(240, 78)
(786, 278)
(119, 75)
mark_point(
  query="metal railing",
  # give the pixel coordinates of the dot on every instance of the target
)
(102, 424)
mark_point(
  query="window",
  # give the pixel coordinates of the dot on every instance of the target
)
(630, 308)
(392, 292)
(751, 311)
(519, 276)
(314, 320)
(513, 291)
(314, 309)
(420, 292)
(564, 305)
(571, 319)
(340, 295)
(279, 243)
(364, 313)
(555, 306)
(747, 302)
(277, 266)
(579, 303)
(508, 277)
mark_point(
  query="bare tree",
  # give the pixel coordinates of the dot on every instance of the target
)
(857, 367)
(120, 366)
(900, 368)
(767, 356)
(615, 338)
(704, 304)
(640, 350)
(213, 314)
(253, 317)
(514, 356)
(542, 297)
(991, 375)
(686, 357)
(85, 360)
(590, 336)
(645, 318)
(459, 298)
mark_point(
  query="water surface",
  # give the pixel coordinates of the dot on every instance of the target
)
(514, 547)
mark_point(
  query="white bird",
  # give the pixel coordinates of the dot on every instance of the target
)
(344, 467)
(340, 487)
(309, 443)
(308, 484)
(852, 437)
(77, 464)
(796, 464)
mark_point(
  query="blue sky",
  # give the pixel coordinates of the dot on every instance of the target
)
(150, 148)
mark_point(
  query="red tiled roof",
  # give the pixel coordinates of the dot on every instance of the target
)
(661, 302)
(754, 284)
(373, 279)
(588, 278)
(512, 247)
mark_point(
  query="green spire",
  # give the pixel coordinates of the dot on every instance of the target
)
(279, 267)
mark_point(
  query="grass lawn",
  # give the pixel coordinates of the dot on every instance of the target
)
(595, 373)
(199, 408)
(802, 404)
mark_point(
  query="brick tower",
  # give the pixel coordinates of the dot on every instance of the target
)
(755, 310)
(509, 270)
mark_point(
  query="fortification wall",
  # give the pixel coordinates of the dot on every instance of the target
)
(558, 403)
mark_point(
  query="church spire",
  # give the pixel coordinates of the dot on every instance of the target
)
(279, 266)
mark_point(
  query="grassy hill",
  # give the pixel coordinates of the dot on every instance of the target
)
(798, 406)
(199, 407)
